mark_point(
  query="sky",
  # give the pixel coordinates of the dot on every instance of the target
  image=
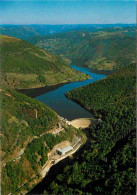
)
(67, 11)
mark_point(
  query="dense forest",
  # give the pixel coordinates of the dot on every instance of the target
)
(102, 49)
(108, 166)
(25, 140)
(27, 66)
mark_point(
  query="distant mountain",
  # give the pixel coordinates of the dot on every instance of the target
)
(26, 31)
(27, 66)
(104, 49)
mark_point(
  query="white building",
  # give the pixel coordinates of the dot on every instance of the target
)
(63, 151)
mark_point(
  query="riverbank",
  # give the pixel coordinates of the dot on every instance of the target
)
(104, 72)
(53, 160)
(34, 92)
(58, 167)
(69, 110)
(56, 99)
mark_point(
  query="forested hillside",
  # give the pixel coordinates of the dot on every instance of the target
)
(101, 49)
(27, 31)
(101, 95)
(26, 140)
(19, 126)
(108, 167)
(27, 66)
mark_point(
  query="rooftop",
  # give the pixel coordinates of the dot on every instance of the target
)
(65, 150)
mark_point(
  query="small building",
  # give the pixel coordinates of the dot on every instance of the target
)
(63, 151)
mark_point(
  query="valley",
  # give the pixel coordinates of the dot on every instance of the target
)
(79, 125)
(108, 138)
(57, 100)
(26, 66)
(28, 153)
(30, 133)
(102, 49)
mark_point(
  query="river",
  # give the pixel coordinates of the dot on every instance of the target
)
(70, 110)
(66, 108)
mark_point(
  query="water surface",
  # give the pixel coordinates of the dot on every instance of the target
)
(70, 110)
(66, 108)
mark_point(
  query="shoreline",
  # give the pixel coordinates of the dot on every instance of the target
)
(34, 92)
(104, 72)
(58, 167)
(92, 70)
(79, 103)
(49, 164)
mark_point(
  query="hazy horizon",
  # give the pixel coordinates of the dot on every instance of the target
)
(71, 24)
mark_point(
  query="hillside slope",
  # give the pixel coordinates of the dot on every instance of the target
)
(19, 126)
(101, 95)
(105, 49)
(26, 139)
(27, 31)
(27, 66)
(109, 165)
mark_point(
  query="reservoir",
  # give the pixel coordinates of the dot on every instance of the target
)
(66, 108)
(70, 110)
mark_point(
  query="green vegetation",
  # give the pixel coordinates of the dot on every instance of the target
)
(101, 95)
(91, 175)
(19, 125)
(104, 49)
(108, 166)
(24, 110)
(27, 66)
(26, 31)
(25, 142)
